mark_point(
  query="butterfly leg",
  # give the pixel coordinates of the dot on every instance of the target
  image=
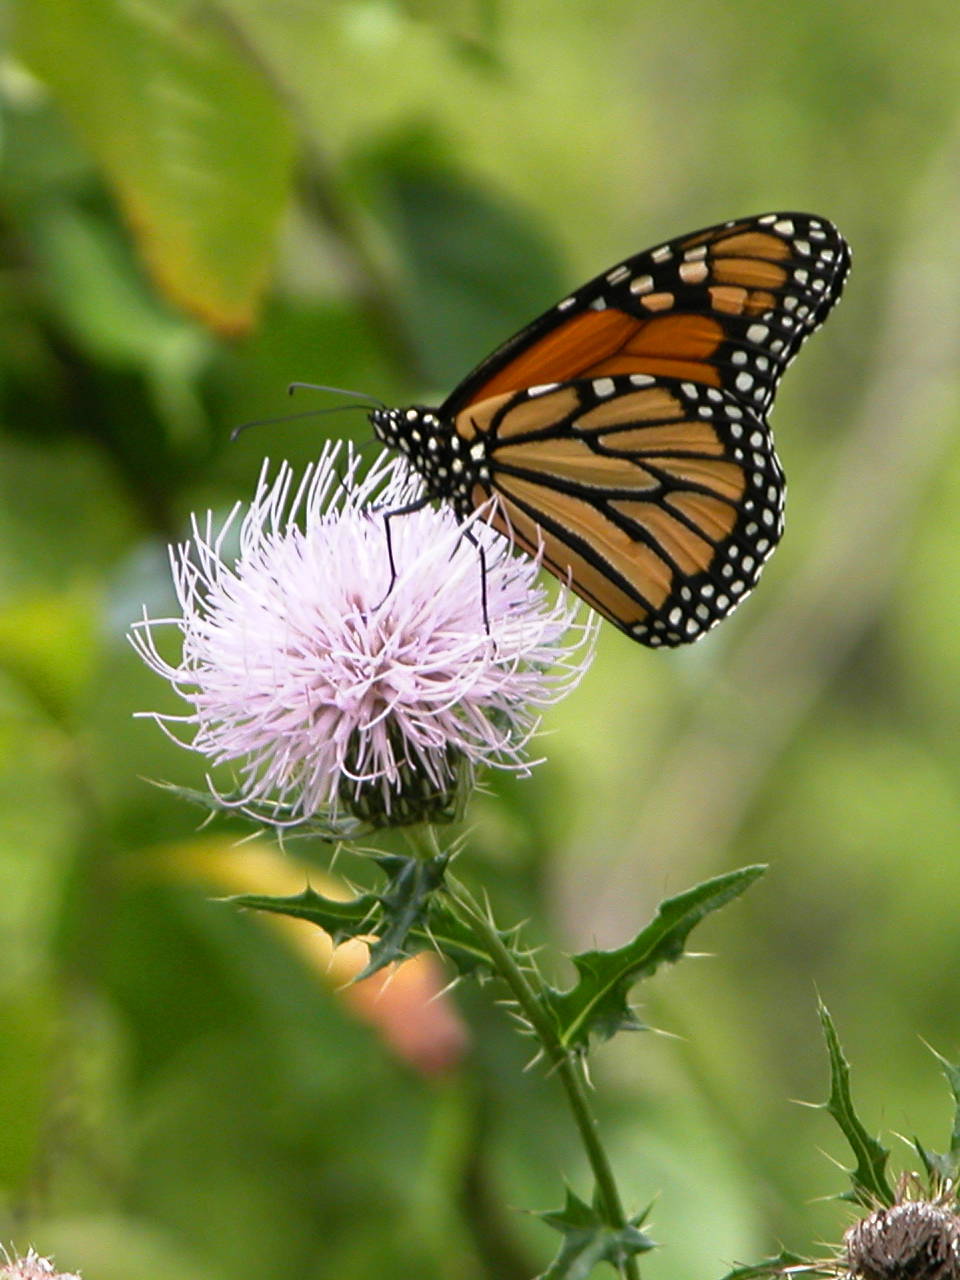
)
(408, 510)
(482, 557)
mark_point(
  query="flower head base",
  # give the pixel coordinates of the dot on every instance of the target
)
(330, 688)
(414, 796)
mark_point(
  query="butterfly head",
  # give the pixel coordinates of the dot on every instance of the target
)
(450, 465)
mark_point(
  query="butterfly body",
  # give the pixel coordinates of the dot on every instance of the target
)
(450, 467)
(624, 432)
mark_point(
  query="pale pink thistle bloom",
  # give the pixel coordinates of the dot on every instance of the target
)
(327, 689)
(32, 1267)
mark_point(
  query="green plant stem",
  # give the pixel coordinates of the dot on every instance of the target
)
(565, 1068)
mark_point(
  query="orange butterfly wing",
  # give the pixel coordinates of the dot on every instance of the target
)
(657, 500)
(728, 307)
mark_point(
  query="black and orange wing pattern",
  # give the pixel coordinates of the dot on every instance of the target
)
(658, 500)
(624, 432)
(728, 306)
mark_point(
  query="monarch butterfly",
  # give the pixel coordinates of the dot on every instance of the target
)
(624, 432)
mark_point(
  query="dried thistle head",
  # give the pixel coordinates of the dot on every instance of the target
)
(916, 1238)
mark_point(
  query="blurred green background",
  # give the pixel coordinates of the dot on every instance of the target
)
(201, 201)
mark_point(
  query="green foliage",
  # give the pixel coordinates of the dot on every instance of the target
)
(26, 1063)
(869, 1178)
(320, 827)
(48, 648)
(469, 21)
(196, 145)
(104, 303)
(472, 263)
(341, 920)
(597, 1005)
(411, 885)
(588, 1240)
(409, 915)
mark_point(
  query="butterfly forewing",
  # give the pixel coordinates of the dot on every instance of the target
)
(728, 307)
(658, 500)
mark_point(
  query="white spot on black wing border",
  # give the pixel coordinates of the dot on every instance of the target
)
(758, 347)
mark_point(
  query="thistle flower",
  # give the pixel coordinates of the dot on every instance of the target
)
(32, 1267)
(330, 688)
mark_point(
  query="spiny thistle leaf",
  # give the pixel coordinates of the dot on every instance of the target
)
(202, 799)
(952, 1072)
(945, 1166)
(410, 885)
(597, 1004)
(319, 827)
(869, 1178)
(587, 1240)
(357, 917)
(766, 1267)
(406, 917)
(447, 934)
(934, 1164)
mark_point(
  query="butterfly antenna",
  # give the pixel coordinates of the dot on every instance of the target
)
(291, 417)
(338, 391)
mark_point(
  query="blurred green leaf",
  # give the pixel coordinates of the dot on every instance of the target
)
(869, 1179)
(112, 1247)
(476, 265)
(472, 25)
(597, 1004)
(193, 141)
(27, 1043)
(63, 515)
(94, 283)
(48, 646)
(475, 18)
(97, 290)
(587, 1240)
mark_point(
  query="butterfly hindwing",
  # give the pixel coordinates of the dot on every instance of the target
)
(657, 499)
(728, 306)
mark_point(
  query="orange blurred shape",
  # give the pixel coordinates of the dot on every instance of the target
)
(412, 1012)
(405, 1003)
